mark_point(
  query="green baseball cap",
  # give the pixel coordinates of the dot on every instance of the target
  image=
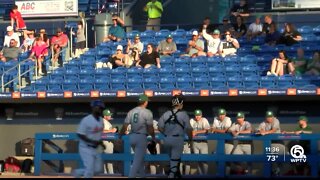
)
(169, 36)
(137, 36)
(216, 31)
(240, 115)
(222, 112)
(197, 112)
(269, 114)
(107, 112)
(143, 98)
(303, 118)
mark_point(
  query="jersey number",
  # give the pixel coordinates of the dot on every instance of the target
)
(135, 117)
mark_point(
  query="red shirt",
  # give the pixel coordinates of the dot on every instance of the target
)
(17, 17)
(61, 40)
(39, 50)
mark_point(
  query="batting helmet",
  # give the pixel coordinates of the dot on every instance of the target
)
(177, 100)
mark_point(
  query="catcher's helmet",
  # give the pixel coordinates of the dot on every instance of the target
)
(177, 100)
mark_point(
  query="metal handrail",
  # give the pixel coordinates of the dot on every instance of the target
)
(19, 74)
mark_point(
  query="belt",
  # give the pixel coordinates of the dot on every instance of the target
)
(176, 135)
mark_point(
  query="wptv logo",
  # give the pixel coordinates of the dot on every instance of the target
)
(297, 152)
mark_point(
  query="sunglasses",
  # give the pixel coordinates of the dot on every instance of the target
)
(119, 50)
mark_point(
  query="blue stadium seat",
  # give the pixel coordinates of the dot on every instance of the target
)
(84, 73)
(182, 62)
(135, 83)
(231, 61)
(41, 84)
(73, 64)
(70, 73)
(184, 83)
(166, 62)
(179, 33)
(167, 71)
(54, 85)
(151, 83)
(201, 83)
(87, 64)
(118, 84)
(218, 82)
(151, 72)
(215, 60)
(86, 84)
(234, 70)
(250, 70)
(305, 30)
(102, 73)
(167, 83)
(197, 61)
(301, 81)
(251, 82)
(120, 72)
(200, 71)
(70, 84)
(147, 34)
(248, 60)
(101, 84)
(268, 82)
(183, 72)
(217, 71)
(235, 82)
(132, 34)
(309, 38)
(162, 34)
(136, 72)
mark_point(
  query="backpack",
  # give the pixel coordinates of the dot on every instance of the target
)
(26, 166)
(12, 165)
(27, 147)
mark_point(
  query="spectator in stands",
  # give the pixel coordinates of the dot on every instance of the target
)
(243, 147)
(314, 66)
(226, 25)
(213, 41)
(154, 9)
(16, 17)
(268, 22)
(11, 35)
(229, 45)
(200, 125)
(81, 40)
(10, 53)
(298, 65)
(271, 125)
(207, 22)
(167, 47)
(255, 28)
(241, 9)
(28, 40)
(272, 36)
(240, 28)
(149, 58)
(58, 42)
(116, 31)
(38, 53)
(290, 35)
(134, 49)
(195, 46)
(119, 59)
(279, 65)
(44, 37)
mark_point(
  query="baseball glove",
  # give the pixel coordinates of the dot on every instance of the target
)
(152, 147)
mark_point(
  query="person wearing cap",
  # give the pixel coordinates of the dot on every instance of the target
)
(213, 41)
(141, 120)
(195, 46)
(240, 29)
(226, 25)
(149, 58)
(15, 17)
(255, 28)
(109, 145)
(58, 42)
(303, 127)
(91, 145)
(167, 47)
(11, 35)
(221, 124)
(173, 124)
(200, 125)
(116, 31)
(28, 40)
(228, 45)
(154, 9)
(119, 59)
(134, 49)
(241, 126)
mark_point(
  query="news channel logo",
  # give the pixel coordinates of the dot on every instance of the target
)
(297, 152)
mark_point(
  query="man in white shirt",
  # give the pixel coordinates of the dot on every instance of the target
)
(109, 145)
(200, 125)
(255, 29)
(229, 45)
(11, 35)
(213, 41)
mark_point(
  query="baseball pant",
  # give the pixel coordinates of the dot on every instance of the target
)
(139, 144)
(92, 162)
(174, 147)
(153, 24)
(201, 148)
(187, 166)
(228, 148)
(109, 150)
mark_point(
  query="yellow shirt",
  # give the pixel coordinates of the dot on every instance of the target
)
(154, 12)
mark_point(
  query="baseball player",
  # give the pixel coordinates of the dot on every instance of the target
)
(91, 146)
(153, 165)
(185, 168)
(200, 125)
(243, 147)
(173, 124)
(141, 120)
(109, 145)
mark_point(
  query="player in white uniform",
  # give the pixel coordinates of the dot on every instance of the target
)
(174, 124)
(91, 146)
(155, 165)
(141, 120)
(200, 125)
(109, 145)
